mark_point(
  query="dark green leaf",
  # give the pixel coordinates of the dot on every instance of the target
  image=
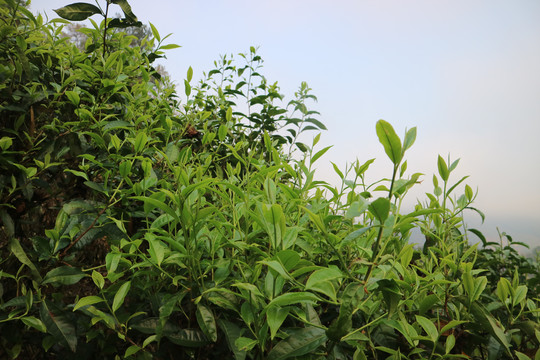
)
(188, 338)
(126, 8)
(78, 11)
(64, 275)
(206, 321)
(301, 342)
(232, 333)
(58, 326)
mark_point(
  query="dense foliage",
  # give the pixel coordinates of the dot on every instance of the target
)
(138, 225)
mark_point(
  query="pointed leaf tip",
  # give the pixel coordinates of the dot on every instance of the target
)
(78, 11)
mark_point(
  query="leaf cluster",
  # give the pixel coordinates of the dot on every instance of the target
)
(139, 223)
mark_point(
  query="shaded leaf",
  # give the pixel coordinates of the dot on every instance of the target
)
(206, 321)
(301, 342)
(78, 11)
(64, 275)
(58, 326)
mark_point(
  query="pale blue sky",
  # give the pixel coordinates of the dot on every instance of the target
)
(465, 72)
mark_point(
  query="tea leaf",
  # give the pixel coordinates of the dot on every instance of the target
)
(188, 338)
(17, 250)
(410, 137)
(520, 295)
(275, 315)
(63, 275)
(319, 154)
(232, 333)
(428, 327)
(35, 323)
(58, 326)
(87, 300)
(133, 349)
(389, 140)
(78, 11)
(120, 295)
(323, 275)
(293, 298)
(299, 343)
(380, 208)
(126, 9)
(206, 321)
(155, 32)
(443, 168)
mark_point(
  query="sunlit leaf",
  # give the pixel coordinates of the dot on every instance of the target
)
(389, 140)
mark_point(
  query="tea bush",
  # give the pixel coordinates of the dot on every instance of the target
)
(139, 225)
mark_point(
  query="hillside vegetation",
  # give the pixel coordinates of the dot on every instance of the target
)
(138, 222)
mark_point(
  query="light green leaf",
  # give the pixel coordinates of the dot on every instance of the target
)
(293, 298)
(319, 154)
(140, 142)
(133, 349)
(380, 208)
(155, 32)
(156, 249)
(323, 275)
(17, 250)
(520, 295)
(479, 286)
(34, 322)
(5, 142)
(443, 168)
(120, 295)
(245, 344)
(169, 47)
(356, 208)
(87, 300)
(391, 142)
(73, 97)
(410, 137)
(276, 265)
(450, 343)
(275, 316)
(429, 327)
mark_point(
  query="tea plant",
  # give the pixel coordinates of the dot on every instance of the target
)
(137, 223)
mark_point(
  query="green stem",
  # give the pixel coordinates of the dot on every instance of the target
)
(381, 229)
